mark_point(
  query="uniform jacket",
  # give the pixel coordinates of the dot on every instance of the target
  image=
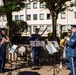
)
(72, 46)
(34, 37)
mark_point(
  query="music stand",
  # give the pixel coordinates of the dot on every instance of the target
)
(52, 49)
(37, 43)
(13, 48)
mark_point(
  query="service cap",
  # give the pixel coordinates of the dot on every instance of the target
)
(73, 26)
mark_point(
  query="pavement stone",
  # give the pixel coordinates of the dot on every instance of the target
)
(21, 68)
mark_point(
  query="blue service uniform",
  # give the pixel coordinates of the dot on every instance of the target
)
(35, 50)
(4, 47)
(2, 54)
(72, 53)
(67, 57)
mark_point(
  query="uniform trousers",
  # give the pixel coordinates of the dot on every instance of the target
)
(73, 65)
(68, 59)
(35, 53)
(2, 57)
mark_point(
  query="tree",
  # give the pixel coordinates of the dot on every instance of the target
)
(18, 28)
(7, 9)
(55, 7)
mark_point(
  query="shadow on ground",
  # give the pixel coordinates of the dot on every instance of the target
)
(28, 73)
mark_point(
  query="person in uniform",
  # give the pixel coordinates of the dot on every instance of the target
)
(67, 39)
(2, 51)
(35, 50)
(3, 33)
(71, 48)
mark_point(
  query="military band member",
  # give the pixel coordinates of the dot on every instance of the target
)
(35, 50)
(67, 39)
(71, 48)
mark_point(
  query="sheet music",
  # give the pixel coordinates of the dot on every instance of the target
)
(37, 43)
(32, 43)
(55, 44)
(42, 43)
(50, 47)
(13, 48)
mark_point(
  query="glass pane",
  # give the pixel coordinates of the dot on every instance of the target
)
(21, 17)
(34, 5)
(41, 16)
(28, 6)
(16, 17)
(34, 16)
(28, 17)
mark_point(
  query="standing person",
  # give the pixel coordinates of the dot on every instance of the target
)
(67, 39)
(3, 32)
(35, 50)
(2, 51)
(71, 47)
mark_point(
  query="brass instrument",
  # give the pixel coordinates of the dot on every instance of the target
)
(62, 42)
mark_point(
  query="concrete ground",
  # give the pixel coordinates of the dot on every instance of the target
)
(21, 68)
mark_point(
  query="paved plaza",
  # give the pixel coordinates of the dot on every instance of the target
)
(21, 68)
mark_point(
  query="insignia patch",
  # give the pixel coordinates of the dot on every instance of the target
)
(72, 40)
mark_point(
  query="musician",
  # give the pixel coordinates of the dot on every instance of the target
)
(67, 39)
(3, 33)
(2, 51)
(35, 50)
(71, 47)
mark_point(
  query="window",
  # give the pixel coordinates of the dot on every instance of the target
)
(63, 27)
(41, 27)
(49, 27)
(4, 18)
(29, 17)
(63, 15)
(75, 14)
(42, 5)
(16, 17)
(41, 16)
(34, 27)
(28, 6)
(34, 5)
(34, 16)
(21, 17)
(48, 16)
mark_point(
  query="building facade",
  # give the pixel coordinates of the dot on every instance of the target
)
(36, 15)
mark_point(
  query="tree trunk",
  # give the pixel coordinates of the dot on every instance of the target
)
(54, 23)
(9, 22)
(9, 25)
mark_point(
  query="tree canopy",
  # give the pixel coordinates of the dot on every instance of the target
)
(11, 6)
(8, 7)
(55, 7)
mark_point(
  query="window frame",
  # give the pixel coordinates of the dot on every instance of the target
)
(41, 16)
(35, 5)
(28, 15)
(34, 16)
